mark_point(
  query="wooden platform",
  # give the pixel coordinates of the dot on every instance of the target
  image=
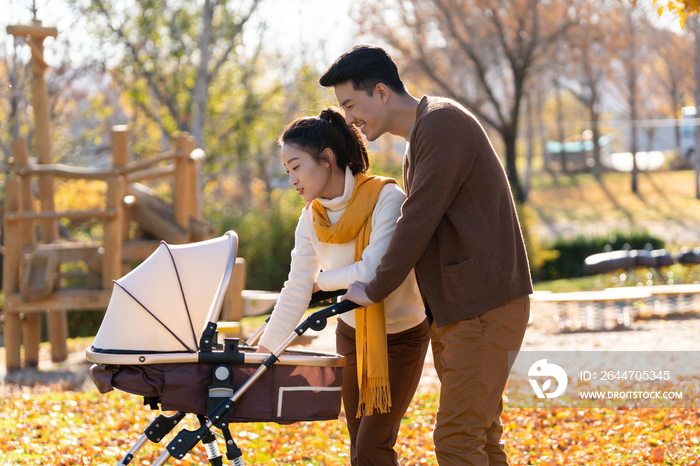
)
(589, 310)
(613, 307)
(672, 299)
(65, 300)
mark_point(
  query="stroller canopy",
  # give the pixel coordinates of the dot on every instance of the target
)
(164, 304)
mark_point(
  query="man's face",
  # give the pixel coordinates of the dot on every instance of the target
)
(368, 113)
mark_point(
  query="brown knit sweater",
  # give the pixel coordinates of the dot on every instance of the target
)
(458, 227)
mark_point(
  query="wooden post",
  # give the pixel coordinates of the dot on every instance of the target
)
(111, 268)
(32, 322)
(10, 274)
(57, 322)
(120, 151)
(181, 182)
(40, 104)
(120, 157)
(21, 155)
(232, 307)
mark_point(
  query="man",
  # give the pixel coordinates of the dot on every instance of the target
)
(459, 230)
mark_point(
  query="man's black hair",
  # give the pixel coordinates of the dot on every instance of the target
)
(366, 66)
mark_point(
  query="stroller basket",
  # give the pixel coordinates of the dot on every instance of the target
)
(158, 339)
(284, 394)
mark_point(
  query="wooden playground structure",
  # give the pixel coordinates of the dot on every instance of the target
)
(32, 277)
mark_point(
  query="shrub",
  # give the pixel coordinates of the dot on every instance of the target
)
(266, 239)
(83, 323)
(573, 251)
(538, 253)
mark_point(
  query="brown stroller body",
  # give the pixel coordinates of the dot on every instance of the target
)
(159, 340)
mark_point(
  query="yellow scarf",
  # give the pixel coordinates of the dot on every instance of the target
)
(370, 323)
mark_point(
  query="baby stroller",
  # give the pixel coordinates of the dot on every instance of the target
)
(159, 340)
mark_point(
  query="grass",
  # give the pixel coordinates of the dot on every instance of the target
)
(662, 197)
(678, 273)
(593, 282)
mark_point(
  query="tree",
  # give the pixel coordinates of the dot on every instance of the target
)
(172, 52)
(682, 8)
(673, 71)
(629, 48)
(12, 97)
(481, 53)
(696, 59)
(65, 96)
(586, 64)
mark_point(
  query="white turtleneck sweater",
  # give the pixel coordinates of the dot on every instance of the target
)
(403, 308)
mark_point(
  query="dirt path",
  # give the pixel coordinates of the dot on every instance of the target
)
(678, 333)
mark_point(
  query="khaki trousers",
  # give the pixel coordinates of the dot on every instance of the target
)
(372, 438)
(471, 360)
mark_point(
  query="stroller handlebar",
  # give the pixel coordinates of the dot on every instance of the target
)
(324, 295)
(317, 321)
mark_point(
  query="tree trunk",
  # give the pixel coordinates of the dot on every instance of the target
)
(677, 131)
(651, 133)
(540, 127)
(635, 170)
(632, 83)
(597, 171)
(697, 106)
(560, 127)
(509, 139)
(530, 146)
(677, 106)
(201, 85)
(200, 94)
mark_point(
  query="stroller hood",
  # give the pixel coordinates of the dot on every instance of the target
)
(165, 303)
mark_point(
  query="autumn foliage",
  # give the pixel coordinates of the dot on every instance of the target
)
(57, 427)
(683, 8)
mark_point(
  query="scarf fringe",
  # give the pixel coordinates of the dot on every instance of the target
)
(375, 394)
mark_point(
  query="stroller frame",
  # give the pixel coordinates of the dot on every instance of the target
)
(221, 395)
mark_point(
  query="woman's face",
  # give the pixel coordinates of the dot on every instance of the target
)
(310, 178)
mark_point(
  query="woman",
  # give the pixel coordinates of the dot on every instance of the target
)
(344, 230)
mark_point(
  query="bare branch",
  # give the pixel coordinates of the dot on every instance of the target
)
(480, 66)
(232, 42)
(148, 111)
(502, 38)
(150, 76)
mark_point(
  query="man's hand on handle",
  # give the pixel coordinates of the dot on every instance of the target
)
(358, 295)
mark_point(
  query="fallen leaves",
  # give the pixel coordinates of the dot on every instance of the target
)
(602, 437)
(55, 427)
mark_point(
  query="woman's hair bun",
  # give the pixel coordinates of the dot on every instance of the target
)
(326, 114)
